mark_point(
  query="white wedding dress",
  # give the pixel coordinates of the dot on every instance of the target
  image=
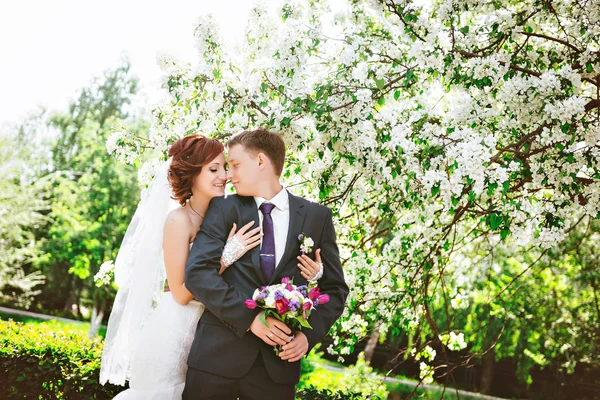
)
(149, 334)
(159, 362)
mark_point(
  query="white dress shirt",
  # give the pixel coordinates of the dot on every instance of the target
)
(281, 220)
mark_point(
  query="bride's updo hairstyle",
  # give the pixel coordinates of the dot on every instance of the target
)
(190, 154)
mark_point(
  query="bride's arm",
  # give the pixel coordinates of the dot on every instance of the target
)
(176, 247)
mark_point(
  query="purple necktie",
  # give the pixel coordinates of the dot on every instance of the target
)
(267, 250)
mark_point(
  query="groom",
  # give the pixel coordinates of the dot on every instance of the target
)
(232, 355)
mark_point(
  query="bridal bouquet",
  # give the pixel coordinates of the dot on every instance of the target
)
(288, 303)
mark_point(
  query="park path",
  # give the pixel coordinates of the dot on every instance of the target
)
(471, 395)
(40, 316)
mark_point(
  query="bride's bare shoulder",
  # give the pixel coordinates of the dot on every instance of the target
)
(178, 219)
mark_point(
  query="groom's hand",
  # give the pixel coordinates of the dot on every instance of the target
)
(296, 349)
(276, 333)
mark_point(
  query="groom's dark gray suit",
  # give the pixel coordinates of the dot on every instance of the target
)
(223, 345)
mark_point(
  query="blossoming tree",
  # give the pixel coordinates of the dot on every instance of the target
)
(428, 127)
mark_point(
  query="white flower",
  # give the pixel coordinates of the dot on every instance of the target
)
(426, 373)
(453, 341)
(306, 243)
(105, 275)
(270, 300)
(427, 354)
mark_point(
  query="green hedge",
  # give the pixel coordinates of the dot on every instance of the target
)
(39, 361)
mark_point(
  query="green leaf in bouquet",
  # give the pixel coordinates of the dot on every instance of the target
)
(263, 319)
(303, 322)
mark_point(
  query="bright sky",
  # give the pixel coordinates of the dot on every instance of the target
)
(50, 49)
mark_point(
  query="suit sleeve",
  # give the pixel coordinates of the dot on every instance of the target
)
(202, 273)
(332, 283)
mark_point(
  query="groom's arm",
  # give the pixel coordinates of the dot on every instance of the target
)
(332, 283)
(202, 273)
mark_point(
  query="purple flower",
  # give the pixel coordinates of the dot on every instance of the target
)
(278, 295)
(300, 236)
(302, 289)
(294, 305)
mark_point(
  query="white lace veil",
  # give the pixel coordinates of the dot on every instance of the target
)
(140, 276)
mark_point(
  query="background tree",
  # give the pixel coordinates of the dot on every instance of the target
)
(92, 197)
(66, 203)
(22, 209)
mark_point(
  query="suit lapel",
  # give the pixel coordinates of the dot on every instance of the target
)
(250, 212)
(297, 214)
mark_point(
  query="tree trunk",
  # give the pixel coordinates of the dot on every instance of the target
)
(97, 316)
(372, 343)
(71, 297)
(487, 374)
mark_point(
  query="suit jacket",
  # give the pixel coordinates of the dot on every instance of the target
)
(223, 345)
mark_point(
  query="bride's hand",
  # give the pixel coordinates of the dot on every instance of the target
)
(240, 243)
(309, 269)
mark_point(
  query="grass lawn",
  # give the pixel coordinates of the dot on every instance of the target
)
(83, 327)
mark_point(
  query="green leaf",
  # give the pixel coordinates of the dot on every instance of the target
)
(263, 319)
(435, 190)
(380, 83)
(589, 67)
(464, 30)
(396, 95)
(495, 221)
(304, 322)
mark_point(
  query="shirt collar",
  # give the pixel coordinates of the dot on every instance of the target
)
(280, 200)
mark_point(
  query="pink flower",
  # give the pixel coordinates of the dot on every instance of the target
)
(285, 280)
(314, 293)
(251, 304)
(305, 307)
(282, 306)
(289, 287)
(322, 299)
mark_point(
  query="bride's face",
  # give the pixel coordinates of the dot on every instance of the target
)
(211, 180)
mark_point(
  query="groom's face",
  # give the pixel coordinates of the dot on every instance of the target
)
(243, 171)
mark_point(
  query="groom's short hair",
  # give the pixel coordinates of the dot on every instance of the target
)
(261, 140)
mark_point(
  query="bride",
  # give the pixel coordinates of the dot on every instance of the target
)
(151, 328)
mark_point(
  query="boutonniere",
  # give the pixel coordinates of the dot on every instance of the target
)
(306, 243)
